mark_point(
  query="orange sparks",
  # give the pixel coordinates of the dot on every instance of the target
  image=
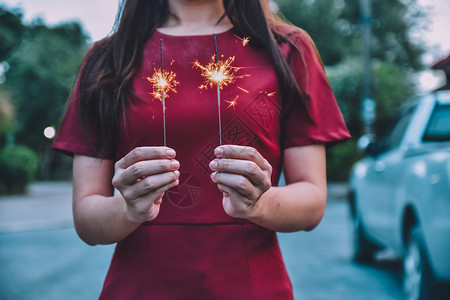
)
(163, 82)
(242, 89)
(271, 94)
(244, 40)
(217, 73)
(232, 103)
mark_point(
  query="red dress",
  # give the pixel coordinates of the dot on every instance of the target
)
(193, 249)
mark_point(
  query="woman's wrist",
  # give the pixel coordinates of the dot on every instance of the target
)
(129, 214)
(262, 210)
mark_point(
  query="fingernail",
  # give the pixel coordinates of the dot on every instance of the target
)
(213, 165)
(213, 176)
(170, 152)
(177, 173)
(219, 151)
(175, 164)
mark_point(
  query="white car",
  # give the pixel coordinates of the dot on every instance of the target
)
(400, 196)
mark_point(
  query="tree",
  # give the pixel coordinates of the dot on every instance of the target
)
(335, 26)
(11, 31)
(41, 75)
(7, 115)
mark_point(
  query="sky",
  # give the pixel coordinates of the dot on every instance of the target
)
(97, 18)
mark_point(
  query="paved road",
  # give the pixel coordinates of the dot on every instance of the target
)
(321, 267)
(42, 258)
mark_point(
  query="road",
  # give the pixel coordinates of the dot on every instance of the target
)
(321, 267)
(41, 256)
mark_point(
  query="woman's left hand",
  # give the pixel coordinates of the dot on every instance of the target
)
(243, 175)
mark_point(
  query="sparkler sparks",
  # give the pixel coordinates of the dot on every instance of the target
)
(163, 82)
(232, 103)
(220, 73)
(217, 72)
(242, 89)
(244, 40)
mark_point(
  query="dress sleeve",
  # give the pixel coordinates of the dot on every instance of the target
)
(316, 118)
(71, 138)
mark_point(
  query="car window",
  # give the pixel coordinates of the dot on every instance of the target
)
(399, 130)
(438, 128)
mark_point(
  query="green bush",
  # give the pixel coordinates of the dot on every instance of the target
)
(18, 165)
(340, 160)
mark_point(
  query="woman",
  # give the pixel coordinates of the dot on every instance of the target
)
(198, 220)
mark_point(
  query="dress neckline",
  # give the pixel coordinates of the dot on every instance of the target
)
(207, 35)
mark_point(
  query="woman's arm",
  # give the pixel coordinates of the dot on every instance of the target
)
(141, 177)
(243, 176)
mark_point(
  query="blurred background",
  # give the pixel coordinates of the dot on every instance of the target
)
(43, 42)
(377, 54)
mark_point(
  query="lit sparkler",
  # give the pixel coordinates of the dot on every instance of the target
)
(219, 73)
(163, 82)
(220, 77)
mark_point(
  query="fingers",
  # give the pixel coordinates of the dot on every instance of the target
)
(244, 161)
(242, 153)
(243, 175)
(142, 173)
(228, 182)
(142, 177)
(146, 207)
(242, 208)
(150, 184)
(143, 169)
(245, 168)
(142, 162)
(145, 153)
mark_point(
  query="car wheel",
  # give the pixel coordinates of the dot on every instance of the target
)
(417, 277)
(363, 249)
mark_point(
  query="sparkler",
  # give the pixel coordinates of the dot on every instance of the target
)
(163, 82)
(219, 73)
(218, 90)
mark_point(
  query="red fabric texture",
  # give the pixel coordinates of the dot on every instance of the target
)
(229, 261)
(323, 121)
(193, 249)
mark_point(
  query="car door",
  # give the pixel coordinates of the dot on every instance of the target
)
(386, 173)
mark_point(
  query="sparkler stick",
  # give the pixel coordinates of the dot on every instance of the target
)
(163, 98)
(163, 83)
(221, 74)
(218, 93)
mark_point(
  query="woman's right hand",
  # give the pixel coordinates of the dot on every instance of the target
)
(142, 176)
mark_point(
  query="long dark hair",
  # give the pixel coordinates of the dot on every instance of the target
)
(105, 79)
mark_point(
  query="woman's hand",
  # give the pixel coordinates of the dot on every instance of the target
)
(142, 176)
(243, 176)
